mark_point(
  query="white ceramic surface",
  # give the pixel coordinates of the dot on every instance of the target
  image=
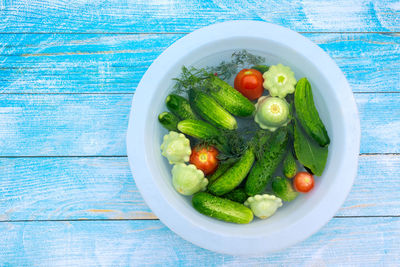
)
(293, 222)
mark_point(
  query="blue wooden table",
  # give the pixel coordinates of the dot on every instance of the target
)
(68, 71)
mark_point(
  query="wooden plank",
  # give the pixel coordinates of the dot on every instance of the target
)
(376, 189)
(76, 63)
(103, 188)
(187, 15)
(93, 125)
(109, 63)
(45, 125)
(350, 241)
(69, 188)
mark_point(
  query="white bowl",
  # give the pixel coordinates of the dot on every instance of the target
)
(293, 222)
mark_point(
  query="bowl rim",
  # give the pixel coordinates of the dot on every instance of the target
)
(138, 160)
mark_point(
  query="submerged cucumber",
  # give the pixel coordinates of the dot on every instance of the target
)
(283, 189)
(308, 114)
(211, 111)
(263, 169)
(168, 120)
(234, 176)
(289, 165)
(198, 129)
(237, 195)
(221, 209)
(261, 68)
(179, 106)
(229, 98)
(222, 168)
(204, 131)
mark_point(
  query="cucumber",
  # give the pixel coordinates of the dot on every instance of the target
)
(169, 121)
(261, 68)
(308, 114)
(204, 131)
(237, 195)
(221, 209)
(263, 169)
(283, 189)
(230, 99)
(234, 176)
(289, 165)
(179, 106)
(222, 168)
(211, 111)
(198, 129)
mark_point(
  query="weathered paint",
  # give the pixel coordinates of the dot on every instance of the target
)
(109, 63)
(343, 241)
(143, 16)
(96, 124)
(67, 92)
(103, 188)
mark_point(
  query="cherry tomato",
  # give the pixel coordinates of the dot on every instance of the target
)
(205, 158)
(303, 182)
(249, 82)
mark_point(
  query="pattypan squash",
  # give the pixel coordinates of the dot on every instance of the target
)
(279, 80)
(272, 112)
(187, 179)
(176, 147)
(263, 206)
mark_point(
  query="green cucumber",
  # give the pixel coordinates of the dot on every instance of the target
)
(204, 131)
(222, 168)
(263, 169)
(283, 189)
(237, 195)
(308, 114)
(179, 106)
(221, 209)
(261, 68)
(229, 98)
(289, 165)
(168, 120)
(198, 129)
(234, 176)
(211, 111)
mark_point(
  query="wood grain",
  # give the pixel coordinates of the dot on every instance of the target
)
(103, 188)
(350, 242)
(185, 16)
(110, 63)
(95, 125)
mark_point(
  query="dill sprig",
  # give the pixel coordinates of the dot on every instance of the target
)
(244, 57)
(190, 78)
(225, 70)
(259, 142)
(199, 77)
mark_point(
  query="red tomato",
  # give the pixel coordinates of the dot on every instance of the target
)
(249, 82)
(205, 158)
(303, 182)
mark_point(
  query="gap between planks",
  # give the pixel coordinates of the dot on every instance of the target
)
(156, 219)
(125, 156)
(171, 33)
(132, 93)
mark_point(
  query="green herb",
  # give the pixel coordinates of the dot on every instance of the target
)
(190, 78)
(195, 77)
(259, 142)
(244, 57)
(226, 70)
(308, 152)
